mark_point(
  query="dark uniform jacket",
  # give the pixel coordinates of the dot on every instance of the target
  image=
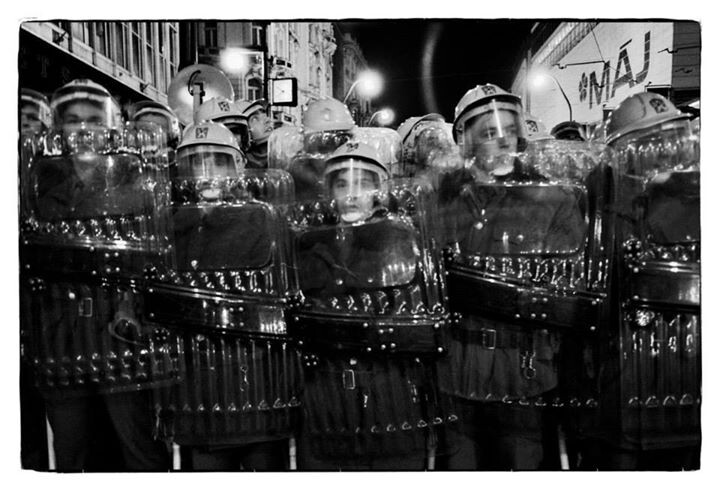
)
(362, 406)
(495, 220)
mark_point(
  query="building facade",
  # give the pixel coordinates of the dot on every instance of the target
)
(303, 50)
(137, 60)
(598, 64)
(349, 61)
(237, 48)
(133, 60)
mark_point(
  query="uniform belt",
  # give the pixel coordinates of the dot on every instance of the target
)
(491, 339)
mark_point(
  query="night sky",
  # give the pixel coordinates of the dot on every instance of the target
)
(467, 53)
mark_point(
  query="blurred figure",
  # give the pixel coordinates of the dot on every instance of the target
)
(568, 130)
(239, 374)
(35, 118)
(651, 385)
(80, 326)
(536, 130)
(161, 115)
(85, 102)
(503, 215)
(326, 125)
(35, 114)
(428, 146)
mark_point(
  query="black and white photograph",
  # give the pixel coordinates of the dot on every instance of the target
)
(416, 244)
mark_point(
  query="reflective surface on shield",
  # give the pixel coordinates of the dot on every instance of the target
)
(232, 388)
(225, 291)
(89, 225)
(372, 408)
(233, 243)
(654, 376)
(381, 270)
(303, 154)
(531, 219)
(372, 325)
(433, 150)
(530, 242)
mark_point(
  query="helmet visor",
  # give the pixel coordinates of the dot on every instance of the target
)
(207, 161)
(666, 147)
(494, 128)
(73, 112)
(355, 186)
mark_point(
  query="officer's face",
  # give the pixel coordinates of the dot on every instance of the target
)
(78, 112)
(354, 192)
(260, 126)
(30, 119)
(491, 134)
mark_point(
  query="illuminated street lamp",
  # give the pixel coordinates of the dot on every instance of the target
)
(538, 81)
(385, 116)
(235, 60)
(369, 84)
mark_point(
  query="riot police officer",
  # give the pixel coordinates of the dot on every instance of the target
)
(35, 117)
(35, 113)
(326, 125)
(651, 391)
(161, 115)
(370, 396)
(224, 291)
(506, 228)
(568, 130)
(260, 126)
(535, 128)
(89, 350)
(427, 146)
(228, 113)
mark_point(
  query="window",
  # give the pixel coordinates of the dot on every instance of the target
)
(280, 45)
(162, 75)
(254, 86)
(101, 38)
(64, 25)
(318, 70)
(150, 53)
(136, 49)
(294, 52)
(121, 56)
(257, 35)
(173, 52)
(211, 34)
(79, 31)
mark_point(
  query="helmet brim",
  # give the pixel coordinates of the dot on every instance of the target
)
(644, 124)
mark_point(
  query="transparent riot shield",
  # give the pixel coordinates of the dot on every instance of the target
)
(528, 265)
(372, 324)
(652, 390)
(89, 225)
(303, 154)
(225, 292)
(387, 144)
(429, 151)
